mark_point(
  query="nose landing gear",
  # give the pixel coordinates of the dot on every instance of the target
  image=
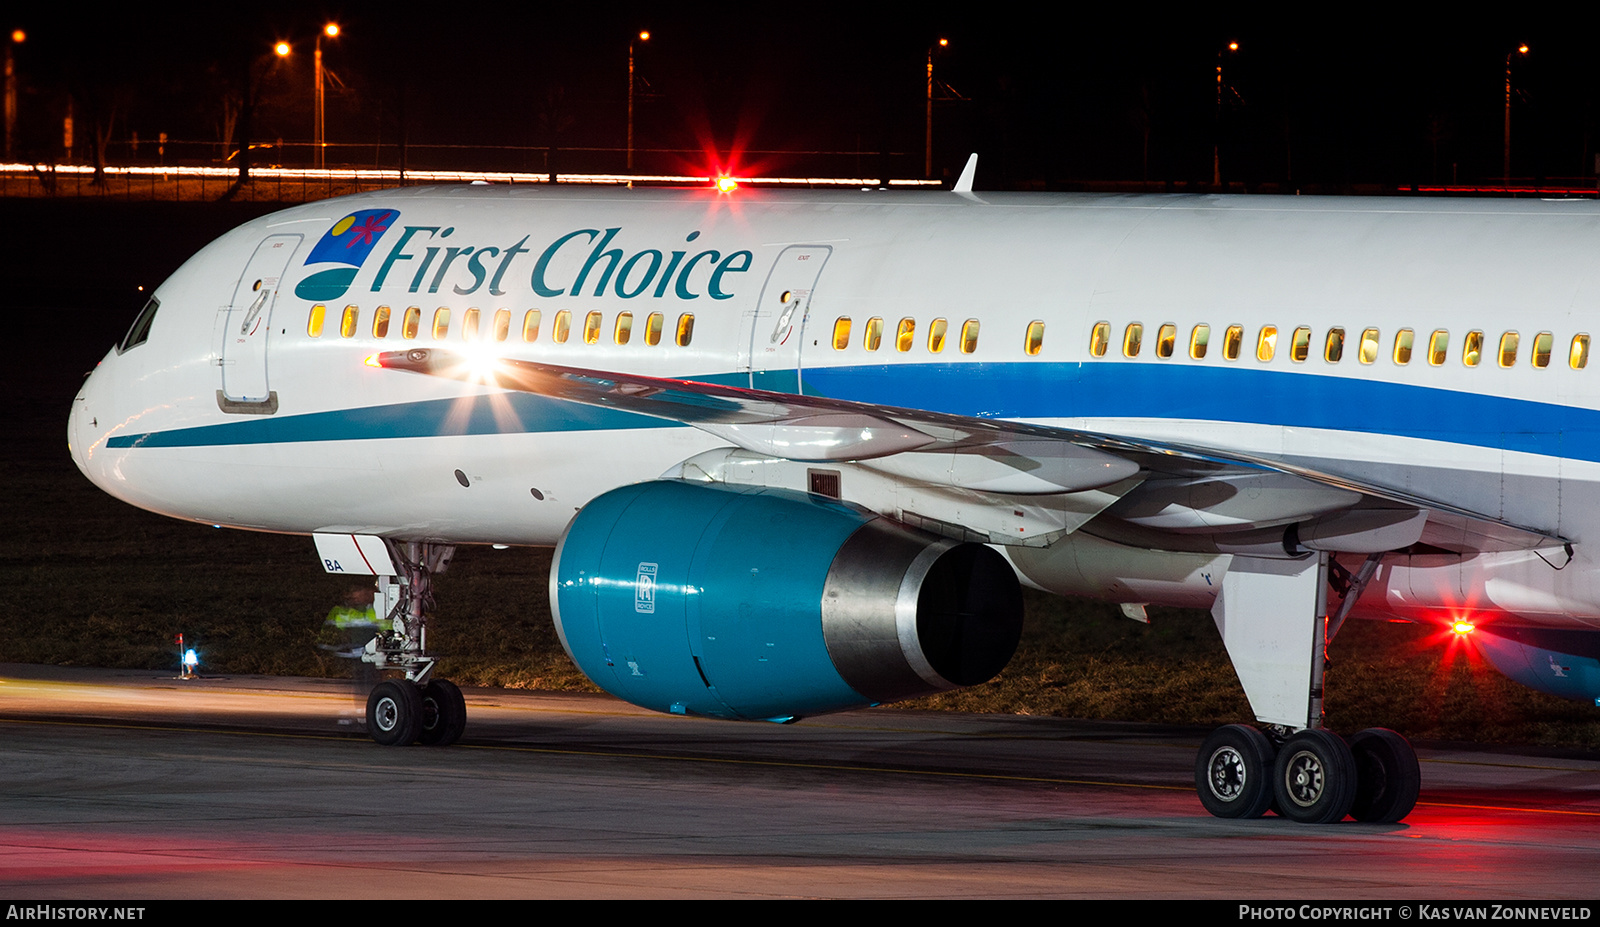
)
(418, 708)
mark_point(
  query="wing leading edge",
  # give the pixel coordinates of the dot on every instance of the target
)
(1157, 486)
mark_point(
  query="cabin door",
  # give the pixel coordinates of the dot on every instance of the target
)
(248, 321)
(778, 329)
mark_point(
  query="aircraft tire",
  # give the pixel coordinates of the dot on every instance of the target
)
(394, 713)
(444, 714)
(1388, 778)
(1314, 778)
(1233, 772)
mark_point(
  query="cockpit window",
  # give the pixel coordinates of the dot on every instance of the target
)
(141, 326)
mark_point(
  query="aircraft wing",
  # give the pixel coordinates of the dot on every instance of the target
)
(1149, 479)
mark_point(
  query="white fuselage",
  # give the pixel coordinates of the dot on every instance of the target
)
(237, 411)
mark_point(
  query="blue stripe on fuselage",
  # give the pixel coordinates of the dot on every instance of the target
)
(1227, 395)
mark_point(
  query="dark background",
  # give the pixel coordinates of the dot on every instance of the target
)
(1318, 97)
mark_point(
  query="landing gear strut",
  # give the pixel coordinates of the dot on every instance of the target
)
(418, 708)
(1303, 772)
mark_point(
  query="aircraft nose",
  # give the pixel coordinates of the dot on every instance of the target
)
(83, 423)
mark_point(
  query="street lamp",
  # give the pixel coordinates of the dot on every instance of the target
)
(644, 36)
(927, 161)
(331, 30)
(1216, 141)
(1519, 50)
(17, 38)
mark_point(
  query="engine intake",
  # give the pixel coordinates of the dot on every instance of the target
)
(756, 603)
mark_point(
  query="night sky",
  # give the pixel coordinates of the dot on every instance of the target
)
(1055, 97)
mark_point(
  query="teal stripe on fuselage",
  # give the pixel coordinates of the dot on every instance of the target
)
(509, 413)
(1109, 389)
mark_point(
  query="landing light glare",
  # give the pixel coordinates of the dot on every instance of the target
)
(481, 360)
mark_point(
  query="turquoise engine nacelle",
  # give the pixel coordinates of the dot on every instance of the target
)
(1564, 663)
(766, 604)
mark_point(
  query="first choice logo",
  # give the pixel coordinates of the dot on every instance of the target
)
(648, 272)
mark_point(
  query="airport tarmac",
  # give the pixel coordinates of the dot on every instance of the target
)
(128, 785)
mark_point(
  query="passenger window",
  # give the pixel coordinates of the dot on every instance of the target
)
(502, 324)
(1472, 349)
(1198, 340)
(1508, 349)
(347, 324)
(1578, 354)
(936, 336)
(1543, 343)
(469, 325)
(561, 327)
(904, 336)
(1033, 341)
(412, 322)
(1099, 339)
(314, 321)
(591, 328)
(1266, 343)
(441, 323)
(1438, 347)
(1132, 339)
(1300, 348)
(652, 329)
(623, 329)
(1166, 340)
(685, 329)
(530, 326)
(1333, 348)
(841, 333)
(1369, 346)
(380, 322)
(1402, 346)
(1232, 342)
(873, 339)
(969, 336)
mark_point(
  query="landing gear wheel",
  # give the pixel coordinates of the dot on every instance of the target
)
(394, 713)
(1233, 773)
(1314, 778)
(1387, 776)
(444, 713)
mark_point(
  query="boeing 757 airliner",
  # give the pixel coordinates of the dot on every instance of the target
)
(799, 451)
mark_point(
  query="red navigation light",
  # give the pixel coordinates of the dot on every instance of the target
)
(372, 361)
(1462, 628)
(726, 184)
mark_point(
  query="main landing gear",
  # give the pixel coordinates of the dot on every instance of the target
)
(1296, 768)
(1313, 776)
(416, 708)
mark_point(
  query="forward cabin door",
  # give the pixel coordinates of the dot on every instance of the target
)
(248, 322)
(778, 326)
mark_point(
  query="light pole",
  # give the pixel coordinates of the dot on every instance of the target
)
(927, 161)
(17, 38)
(643, 36)
(319, 142)
(1506, 166)
(1216, 140)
